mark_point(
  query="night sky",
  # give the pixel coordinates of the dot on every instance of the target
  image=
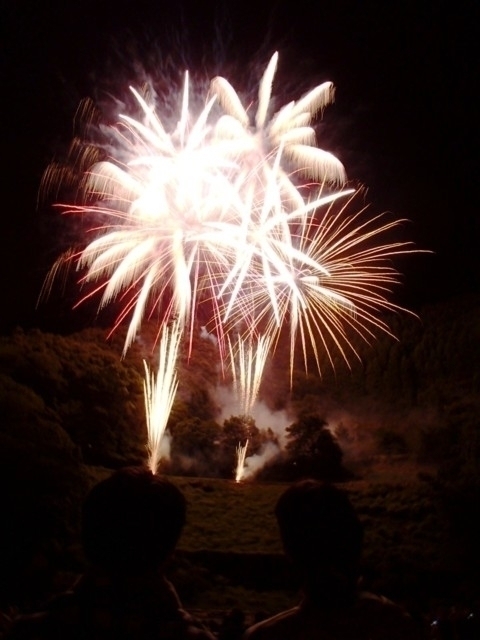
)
(405, 120)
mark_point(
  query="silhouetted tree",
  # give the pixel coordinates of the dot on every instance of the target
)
(194, 447)
(86, 387)
(312, 449)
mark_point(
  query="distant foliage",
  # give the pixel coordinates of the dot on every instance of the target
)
(433, 357)
(83, 387)
(416, 395)
(194, 444)
(69, 406)
(312, 450)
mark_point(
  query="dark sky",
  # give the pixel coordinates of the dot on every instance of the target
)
(405, 120)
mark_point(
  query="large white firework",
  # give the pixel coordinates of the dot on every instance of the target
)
(181, 207)
(212, 213)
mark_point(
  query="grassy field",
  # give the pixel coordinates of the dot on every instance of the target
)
(230, 553)
(225, 516)
(230, 529)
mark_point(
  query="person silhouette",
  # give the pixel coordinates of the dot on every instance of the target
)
(322, 537)
(131, 523)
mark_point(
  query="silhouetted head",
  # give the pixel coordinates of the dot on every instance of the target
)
(132, 521)
(321, 533)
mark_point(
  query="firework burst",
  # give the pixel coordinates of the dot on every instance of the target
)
(212, 214)
(181, 207)
(333, 282)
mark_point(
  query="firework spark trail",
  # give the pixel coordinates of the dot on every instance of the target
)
(266, 253)
(247, 359)
(333, 282)
(262, 242)
(240, 468)
(159, 392)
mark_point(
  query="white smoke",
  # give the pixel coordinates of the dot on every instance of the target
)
(254, 463)
(165, 446)
(265, 419)
(208, 336)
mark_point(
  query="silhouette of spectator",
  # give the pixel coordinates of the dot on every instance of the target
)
(322, 537)
(130, 526)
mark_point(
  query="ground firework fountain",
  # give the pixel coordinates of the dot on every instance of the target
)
(240, 468)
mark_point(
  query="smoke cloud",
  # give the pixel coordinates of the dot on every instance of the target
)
(255, 463)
